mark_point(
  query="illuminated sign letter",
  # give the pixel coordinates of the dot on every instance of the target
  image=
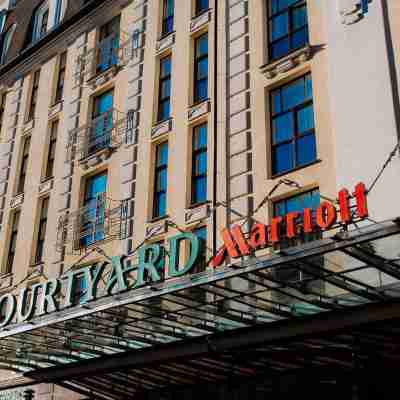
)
(174, 248)
(9, 302)
(117, 276)
(326, 215)
(47, 302)
(25, 311)
(149, 256)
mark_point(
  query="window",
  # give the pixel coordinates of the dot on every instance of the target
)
(109, 37)
(3, 99)
(288, 27)
(164, 97)
(61, 77)
(42, 230)
(34, 95)
(292, 124)
(93, 214)
(161, 181)
(199, 164)
(168, 17)
(201, 69)
(24, 165)
(38, 26)
(102, 122)
(58, 12)
(201, 6)
(6, 42)
(15, 217)
(52, 150)
(298, 203)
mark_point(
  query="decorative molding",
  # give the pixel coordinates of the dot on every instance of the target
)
(96, 159)
(101, 79)
(28, 126)
(197, 213)
(199, 21)
(6, 281)
(165, 43)
(162, 128)
(287, 63)
(354, 12)
(198, 110)
(46, 186)
(35, 271)
(17, 200)
(55, 109)
(157, 228)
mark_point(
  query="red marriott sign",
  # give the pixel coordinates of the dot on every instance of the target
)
(236, 244)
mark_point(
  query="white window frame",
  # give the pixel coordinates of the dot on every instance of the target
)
(38, 18)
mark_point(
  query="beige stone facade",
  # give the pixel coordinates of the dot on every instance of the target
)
(354, 95)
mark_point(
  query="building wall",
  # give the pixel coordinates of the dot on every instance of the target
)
(355, 117)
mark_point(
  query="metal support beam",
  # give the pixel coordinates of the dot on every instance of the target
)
(328, 322)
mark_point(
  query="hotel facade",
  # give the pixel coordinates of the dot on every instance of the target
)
(133, 132)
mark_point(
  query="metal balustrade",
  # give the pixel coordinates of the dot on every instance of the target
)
(111, 53)
(99, 220)
(106, 132)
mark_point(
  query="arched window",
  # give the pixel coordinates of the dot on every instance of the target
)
(5, 42)
(39, 22)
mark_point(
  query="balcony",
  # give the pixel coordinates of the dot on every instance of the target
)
(98, 221)
(96, 140)
(105, 59)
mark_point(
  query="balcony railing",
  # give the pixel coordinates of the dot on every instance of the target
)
(97, 221)
(114, 51)
(106, 132)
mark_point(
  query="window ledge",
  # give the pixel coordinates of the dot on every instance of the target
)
(165, 42)
(275, 176)
(157, 227)
(292, 60)
(200, 20)
(197, 110)
(96, 158)
(46, 185)
(161, 128)
(17, 200)
(197, 212)
(100, 78)
(55, 108)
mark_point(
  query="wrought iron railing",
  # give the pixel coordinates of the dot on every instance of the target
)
(99, 220)
(107, 131)
(114, 51)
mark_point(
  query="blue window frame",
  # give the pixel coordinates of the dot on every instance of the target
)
(168, 17)
(109, 38)
(288, 27)
(201, 6)
(199, 164)
(93, 215)
(201, 69)
(297, 203)
(164, 96)
(292, 126)
(102, 122)
(57, 16)
(161, 181)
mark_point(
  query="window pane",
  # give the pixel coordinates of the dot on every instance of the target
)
(283, 128)
(201, 163)
(308, 86)
(201, 90)
(283, 158)
(299, 17)
(164, 110)
(202, 69)
(165, 67)
(162, 157)
(200, 137)
(300, 38)
(280, 48)
(305, 119)
(200, 191)
(306, 150)
(276, 102)
(280, 26)
(162, 204)
(162, 180)
(165, 89)
(293, 94)
(202, 46)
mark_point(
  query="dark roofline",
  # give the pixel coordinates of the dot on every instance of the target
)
(51, 35)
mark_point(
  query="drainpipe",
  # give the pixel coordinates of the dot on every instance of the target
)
(215, 130)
